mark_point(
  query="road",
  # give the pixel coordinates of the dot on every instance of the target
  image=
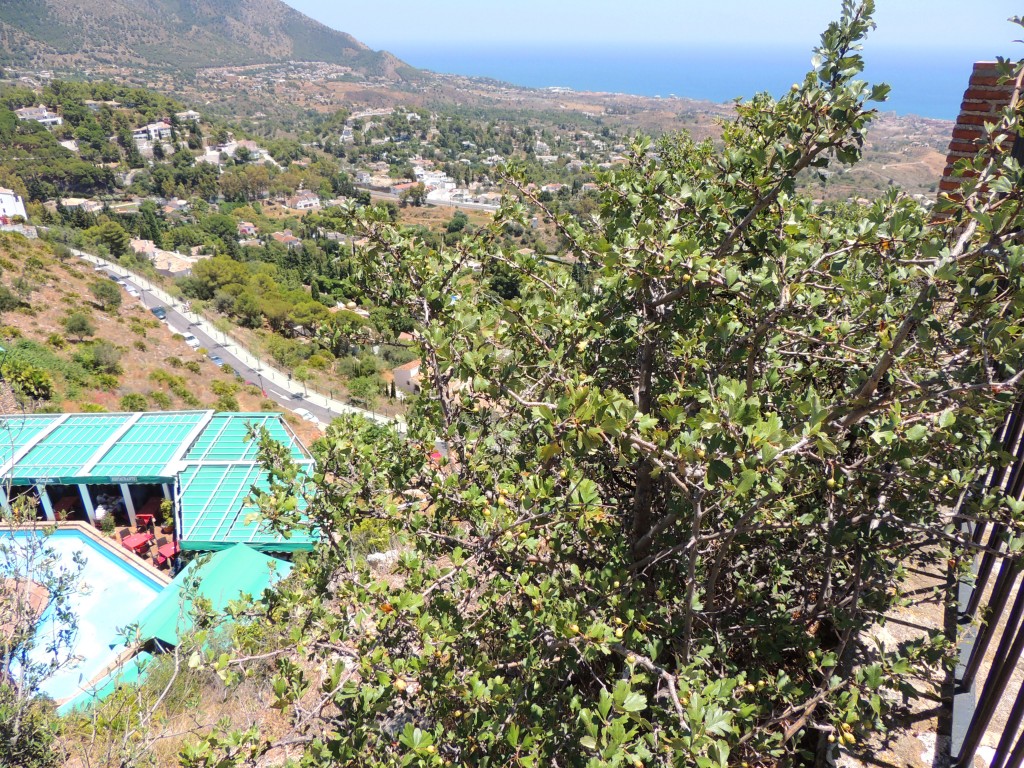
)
(277, 384)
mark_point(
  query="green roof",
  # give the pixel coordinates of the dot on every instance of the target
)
(19, 431)
(63, 452)
(207, 455)
(214, 512)
(225, 439)
(149, 445)
(220, 578)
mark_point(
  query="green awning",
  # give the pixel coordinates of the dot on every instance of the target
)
(219, 578)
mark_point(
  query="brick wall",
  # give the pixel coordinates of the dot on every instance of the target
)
(983, 100)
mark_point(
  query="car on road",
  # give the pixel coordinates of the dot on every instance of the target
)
(216, 359)
(159, 312)
(192, 341)
(306, 415)
(132, 292)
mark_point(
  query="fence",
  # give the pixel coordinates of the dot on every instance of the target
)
(990, 613)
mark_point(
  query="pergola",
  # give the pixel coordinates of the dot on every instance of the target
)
(202, 460)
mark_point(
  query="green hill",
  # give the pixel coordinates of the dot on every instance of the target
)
(175, 35)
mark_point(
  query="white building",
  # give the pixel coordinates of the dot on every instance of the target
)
(11, 205)
(40, 114)
(188, 116)
(407, 377)
(160, 131)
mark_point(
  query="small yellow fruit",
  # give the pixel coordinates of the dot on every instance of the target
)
(458, 713)
(701, 453)
(574, 628)
(431, 749)
(631, 659)
(831, 482)
(831, 738)
(618, 632)
(400, 684)
(751, 688)
(686, 278)
(615, 584)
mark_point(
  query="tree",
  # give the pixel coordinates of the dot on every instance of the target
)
(112, 235)
(79, 324)
(107, 294)
(36, 593)
(672, 503)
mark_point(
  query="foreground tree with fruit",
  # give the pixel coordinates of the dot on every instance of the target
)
(686, 470)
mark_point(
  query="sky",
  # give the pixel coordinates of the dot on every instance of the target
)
(976, 25)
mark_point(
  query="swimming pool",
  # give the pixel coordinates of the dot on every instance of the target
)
(109, 594)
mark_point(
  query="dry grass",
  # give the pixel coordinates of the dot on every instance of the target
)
(146, 344)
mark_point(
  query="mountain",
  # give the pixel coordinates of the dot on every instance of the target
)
(180, 35)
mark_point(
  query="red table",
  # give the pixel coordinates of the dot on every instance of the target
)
(166, 552)
(137, 541)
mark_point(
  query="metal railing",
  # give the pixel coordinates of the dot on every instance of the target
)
(990, 613)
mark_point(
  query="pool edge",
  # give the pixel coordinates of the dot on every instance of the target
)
(155, 574)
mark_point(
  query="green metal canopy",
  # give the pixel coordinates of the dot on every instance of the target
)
(219, 578)
(219, 472)
(207, 456)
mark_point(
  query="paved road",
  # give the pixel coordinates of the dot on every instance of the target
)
(275, 383)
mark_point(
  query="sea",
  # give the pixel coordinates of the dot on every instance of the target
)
(928, 83)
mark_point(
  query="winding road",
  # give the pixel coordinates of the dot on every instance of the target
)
(277, 384)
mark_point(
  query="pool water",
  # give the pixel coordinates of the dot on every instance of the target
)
(109, 594)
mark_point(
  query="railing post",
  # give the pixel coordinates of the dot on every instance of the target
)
(999, 676)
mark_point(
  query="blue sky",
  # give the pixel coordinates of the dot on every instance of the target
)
(976, 25)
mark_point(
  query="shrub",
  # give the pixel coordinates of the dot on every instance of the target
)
(107, 381)
(160, 400)
(268, 405)
(99, 357)
(92, 408)
(134, 401)
(56, 341)
(222, 388)
(193, 365)
(140, 345)
(174, 362)
(226, 403)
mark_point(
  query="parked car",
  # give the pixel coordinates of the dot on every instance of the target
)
(132, 292)
(192, 341)
(306, 415)
(216, 359)
(159, 312)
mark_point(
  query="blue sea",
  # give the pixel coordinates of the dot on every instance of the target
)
(929, 83)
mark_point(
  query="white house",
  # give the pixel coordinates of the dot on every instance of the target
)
(11, 205)
(190, 116)
(304, 201)
(160, 131)
(40, 114)
(407, 377)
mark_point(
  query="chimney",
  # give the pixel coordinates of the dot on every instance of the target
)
(984, 100)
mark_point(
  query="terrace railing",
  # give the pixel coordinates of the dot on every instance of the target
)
(988, 613)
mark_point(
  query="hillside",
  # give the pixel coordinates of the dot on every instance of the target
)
(122, 358)
(175, 35)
